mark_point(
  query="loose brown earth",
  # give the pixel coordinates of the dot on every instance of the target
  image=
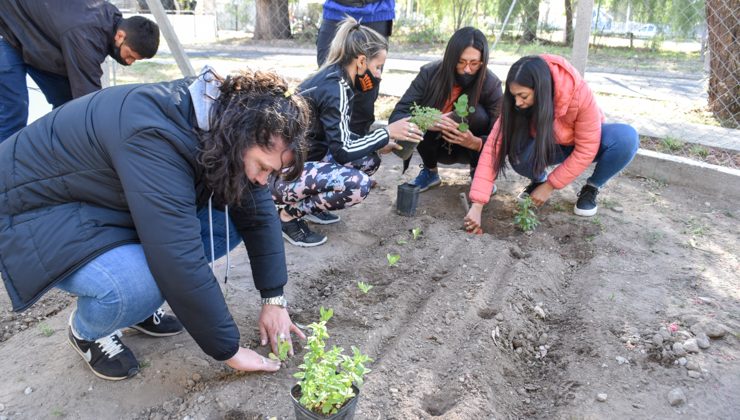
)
(655, 255)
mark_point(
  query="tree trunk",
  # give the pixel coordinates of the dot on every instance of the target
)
(531, 12)
(724, 62)
(273, 20)
(568, 23)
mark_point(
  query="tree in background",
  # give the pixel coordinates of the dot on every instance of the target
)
(724, 59)
(568, 23)
(530, 16)
(272, 20)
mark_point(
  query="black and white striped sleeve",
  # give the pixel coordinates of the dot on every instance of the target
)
(344, 145)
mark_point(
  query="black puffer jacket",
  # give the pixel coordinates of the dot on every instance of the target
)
(330, 97)
(490, 96)
(119, 166)
(70, 38)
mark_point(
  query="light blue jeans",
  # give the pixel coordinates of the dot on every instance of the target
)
(619, 144)
(116, 289)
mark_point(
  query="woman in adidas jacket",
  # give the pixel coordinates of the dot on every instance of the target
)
(340, 162)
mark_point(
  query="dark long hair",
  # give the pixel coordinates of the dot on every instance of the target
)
(444, 78)
(532, 72)
(252, 107)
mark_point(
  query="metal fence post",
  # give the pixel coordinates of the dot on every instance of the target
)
(581, 34)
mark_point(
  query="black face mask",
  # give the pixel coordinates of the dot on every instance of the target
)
(526, 112)
(464, 80)
(366, 82)
(116, 54)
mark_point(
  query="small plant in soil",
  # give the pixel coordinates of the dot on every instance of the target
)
(671, 144)
(327, 376)
(283, 349)
(462, 110)
(45, 329)
(700, 151)
(392, 259)
(364, 287)
(424, 116)
(416, 232)
(525, 217)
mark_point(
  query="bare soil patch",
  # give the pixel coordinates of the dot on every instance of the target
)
(500, 325)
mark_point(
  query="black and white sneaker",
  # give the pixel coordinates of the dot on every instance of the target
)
(159, 325)
(527, 191)
(297, 233)
(107, 357)
(322, 218)
(586, 204)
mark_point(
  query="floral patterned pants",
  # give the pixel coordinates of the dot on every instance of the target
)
(326, 186)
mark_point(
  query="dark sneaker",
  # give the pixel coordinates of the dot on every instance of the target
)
(426, 180)
(159, 325)
(586, 204)
(322, 218)
(297, 233)
(531, 187)
(107, 357)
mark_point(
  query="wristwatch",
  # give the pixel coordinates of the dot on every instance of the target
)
(277, 301)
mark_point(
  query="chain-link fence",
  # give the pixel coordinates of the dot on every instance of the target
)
(669, 67)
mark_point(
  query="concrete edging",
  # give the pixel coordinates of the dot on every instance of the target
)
(686, 172)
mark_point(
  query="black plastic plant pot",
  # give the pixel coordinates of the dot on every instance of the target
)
(407, 198)
(347, 412)
(408, 149)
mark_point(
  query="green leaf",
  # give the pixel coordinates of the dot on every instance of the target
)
(272, 356)
(364, 286)
(325, 314)
(393, 259)
(401, 242)
(463, 127)
(416, 232)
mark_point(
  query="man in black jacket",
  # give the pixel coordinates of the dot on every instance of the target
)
(112, 198)
(61, 45)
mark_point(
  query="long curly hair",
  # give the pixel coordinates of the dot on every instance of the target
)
(252, 107)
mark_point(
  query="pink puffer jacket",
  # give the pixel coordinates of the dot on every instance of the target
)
(577, 123)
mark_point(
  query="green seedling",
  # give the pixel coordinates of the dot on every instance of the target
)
(392, 259)
(416, 232)
(145, 364)
(365, 287)
(325, 314)
(462, 110)
(700, 151)
(671, 144)
(326, 376)
(402, 242)
(525, 217)
(424, 116)
(45, 329)
(283, 349)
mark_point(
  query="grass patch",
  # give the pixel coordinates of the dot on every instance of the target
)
(45, 329)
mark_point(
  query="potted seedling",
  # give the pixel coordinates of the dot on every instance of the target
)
(424, 117)
(328, 380)
(525, 217)
(462, 110)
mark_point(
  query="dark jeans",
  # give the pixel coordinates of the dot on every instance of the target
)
(434, 149)
(14, 91)
(363, 104)
(619, 144)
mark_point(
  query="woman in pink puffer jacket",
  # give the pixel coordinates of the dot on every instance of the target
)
(549, 117)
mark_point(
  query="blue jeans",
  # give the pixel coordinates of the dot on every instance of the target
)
(619, 144)
(14, 90)
(116, 289)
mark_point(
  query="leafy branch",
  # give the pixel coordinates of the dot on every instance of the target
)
(424, 116)
(327, 376)
(462, 110)
(525, 218)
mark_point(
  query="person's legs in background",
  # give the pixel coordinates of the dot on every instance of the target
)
(619, 144)
(55, 88)
(13, 91)
(323, 187)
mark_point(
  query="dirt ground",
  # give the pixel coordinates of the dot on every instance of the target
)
(501, 325)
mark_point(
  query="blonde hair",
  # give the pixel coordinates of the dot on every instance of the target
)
(353, 40)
